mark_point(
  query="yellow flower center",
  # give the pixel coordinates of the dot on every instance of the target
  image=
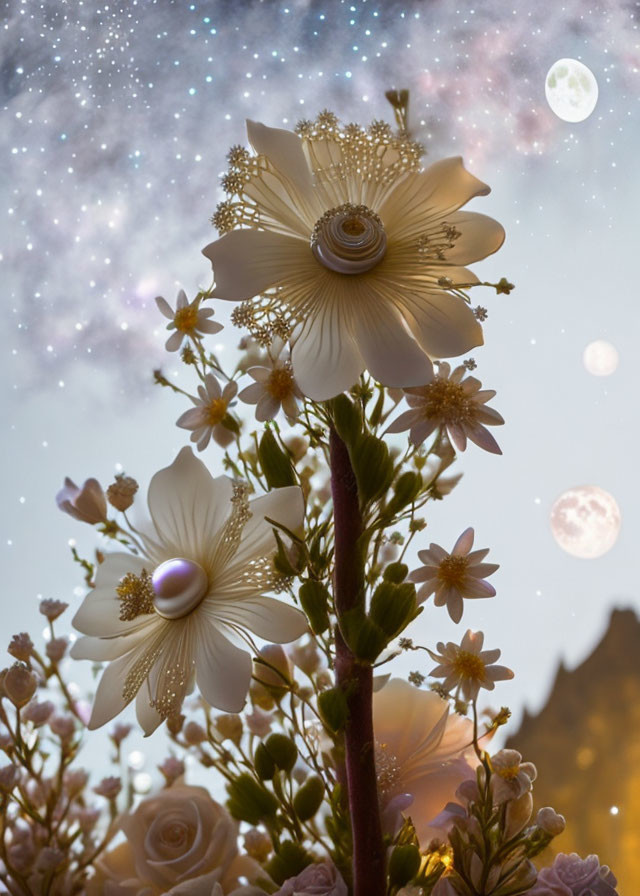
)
(509, 772)
(448, 402)
(186, 319)
(215, 411)
(280, 383)
(469, 665)
(452, 571)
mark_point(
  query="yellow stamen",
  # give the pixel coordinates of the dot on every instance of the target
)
(452, 571)
(448, 402)
(216, 410)
(469, 665)
(280, 383)
(186, 319)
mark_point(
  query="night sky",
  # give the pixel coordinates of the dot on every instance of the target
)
(116, 119)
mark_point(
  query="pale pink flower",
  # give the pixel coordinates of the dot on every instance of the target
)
(550, 821)
(355, 249)
(206, 419)
(188, 319)
(454, 402)
(21, 647)
(467, 666)
(421, 754)
(320, 879)
(52, 608)
(571, 875)
(274, 388)
(452, 577)
(180, 842)
(109, 787)
(511, 776)
(87, 504)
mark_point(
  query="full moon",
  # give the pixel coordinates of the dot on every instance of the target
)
(585, 521)
(600, 358)
(571, 90)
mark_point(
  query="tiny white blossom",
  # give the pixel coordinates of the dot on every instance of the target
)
(467, 666)
(205, 420)
(188, 319)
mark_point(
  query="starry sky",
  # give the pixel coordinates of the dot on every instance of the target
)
(116, 119)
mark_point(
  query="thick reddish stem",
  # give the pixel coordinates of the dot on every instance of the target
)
(356, 680)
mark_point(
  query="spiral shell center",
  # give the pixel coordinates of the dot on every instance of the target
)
(350, 239)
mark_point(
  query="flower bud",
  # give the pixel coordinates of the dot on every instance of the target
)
(257, 845)
(52, 608)
(272, 669)
(21, 647)
(63, 726)
(19, 684)
(87, 504)
(109, 787)
(38, 713)
(120, 493)
(56, 649)
(306, 657)
(230, 727)
(250, 801)
(518, 814)
(309, 798)
(550, 821)
(9, 776)
(259, 722)
(172, 768)
(119, 732)
(194, 733)
(404, 864)
(49, 859)
(75, 781)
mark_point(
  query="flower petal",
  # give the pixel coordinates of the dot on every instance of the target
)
(443, 324)
(267, 408)
(419, 198)
(325, 358)
(284, 150)
(247, 262)
(390, 353)
(101, 649)
(164, 307)
(464, 543)
(187, 505)
(148, 718)
(480, 236)
(109, 699)
(266, 617)
(252, 394)
(223, 671)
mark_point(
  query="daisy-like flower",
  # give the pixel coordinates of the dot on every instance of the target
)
(452, 577)
(421, 754)
(467, 666)
(206, 419)
(179, 608)
(188, 319)
(511, 777)
(353, 250)
(455, 402)
(274, 388)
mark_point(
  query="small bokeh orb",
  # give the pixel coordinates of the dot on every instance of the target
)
(600, 358)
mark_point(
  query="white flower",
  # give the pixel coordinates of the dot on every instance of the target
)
(188, 319)
(454, 576)
(421, 754)
(205, 420)
(468, 666)
(274, 388)
(355, 251)
(511, 776)
(175, 610)
(456, 403)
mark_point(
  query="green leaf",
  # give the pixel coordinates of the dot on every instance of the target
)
(393, 606)
(249, 800)
(347, 419)
(373, 468)
(315, 600)
(406, 490)
(332, 706)
(309, 798)
(275, 463)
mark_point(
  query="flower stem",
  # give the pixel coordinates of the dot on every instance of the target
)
(355, 678)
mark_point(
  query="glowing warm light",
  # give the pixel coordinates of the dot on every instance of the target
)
(600, 358)
(614, 810)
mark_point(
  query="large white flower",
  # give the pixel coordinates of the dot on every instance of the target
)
(180, 607)
(353, 249)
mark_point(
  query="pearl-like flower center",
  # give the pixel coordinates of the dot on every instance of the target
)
(349, 239)
(179, 585)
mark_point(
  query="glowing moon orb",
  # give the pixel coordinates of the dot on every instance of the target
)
(585, 521)
(571, 90)
(600, 358)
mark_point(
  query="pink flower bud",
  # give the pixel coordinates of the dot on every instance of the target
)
(21, 647)
(550, 821)
(52, 608)
(38, 713)
(109, 787)
(19, 684)
(172, 768)
(120, 493)
(87, 504)
(56, 649)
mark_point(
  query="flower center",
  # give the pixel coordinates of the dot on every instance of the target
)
(509, 772)
(175, 834)
(448, 401)
(349, 239)
(179, 586)
(469, 665)
(186, 319)
(452, 571)
(215, 411)
(280, 383)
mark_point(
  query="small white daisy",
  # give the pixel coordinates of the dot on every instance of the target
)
(188, 319)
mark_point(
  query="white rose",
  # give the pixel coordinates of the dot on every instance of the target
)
(322, 879)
